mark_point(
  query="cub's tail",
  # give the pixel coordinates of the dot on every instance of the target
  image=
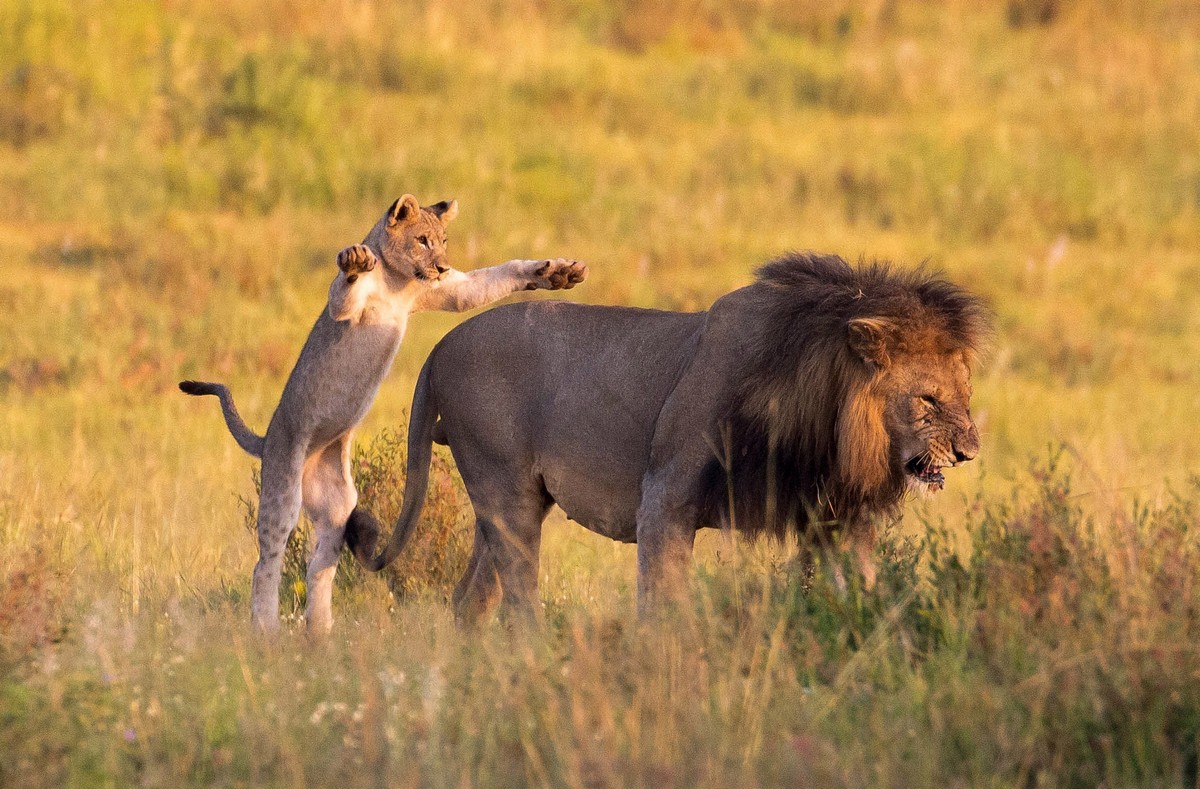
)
(247, 439)
(362, 529)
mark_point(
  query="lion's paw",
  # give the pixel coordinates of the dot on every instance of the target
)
(558, 274)
(356, 260)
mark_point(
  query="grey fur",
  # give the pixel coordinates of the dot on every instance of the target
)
(399, 268)
(246, 438)
(616, 415)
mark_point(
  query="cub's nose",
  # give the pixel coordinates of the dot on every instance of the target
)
(442, 268)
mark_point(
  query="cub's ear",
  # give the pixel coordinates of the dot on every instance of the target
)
(404, 210)
(445, 211)
(871, 339)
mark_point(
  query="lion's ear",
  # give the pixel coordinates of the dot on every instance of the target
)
(871, 339)
(403, 210)
(445, 211)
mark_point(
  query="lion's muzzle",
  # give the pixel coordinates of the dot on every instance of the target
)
(966, 445)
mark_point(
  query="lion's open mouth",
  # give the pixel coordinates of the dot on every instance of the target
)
(925, 471)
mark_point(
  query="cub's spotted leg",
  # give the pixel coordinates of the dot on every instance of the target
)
(329, 498)
(278, 510)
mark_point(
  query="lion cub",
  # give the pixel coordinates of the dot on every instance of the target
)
(400, 268)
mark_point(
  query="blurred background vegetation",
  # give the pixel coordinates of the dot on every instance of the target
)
(176, 178)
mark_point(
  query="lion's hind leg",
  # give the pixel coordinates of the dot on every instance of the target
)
(508, 540)
(329, 499)
(478, 593)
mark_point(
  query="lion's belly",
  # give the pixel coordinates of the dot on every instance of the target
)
(593, 442)
(600, 496)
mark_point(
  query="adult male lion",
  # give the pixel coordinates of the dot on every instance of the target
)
(814, 397)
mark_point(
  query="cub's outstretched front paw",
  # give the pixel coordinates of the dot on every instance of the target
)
(356, 260)
(557, 274)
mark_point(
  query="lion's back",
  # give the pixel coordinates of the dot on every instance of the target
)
(566, 341)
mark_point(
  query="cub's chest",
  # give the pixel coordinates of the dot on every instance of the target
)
(393, 312)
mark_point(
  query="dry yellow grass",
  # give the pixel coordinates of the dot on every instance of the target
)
(175, 181)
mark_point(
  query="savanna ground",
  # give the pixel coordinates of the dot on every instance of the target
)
(175, 179)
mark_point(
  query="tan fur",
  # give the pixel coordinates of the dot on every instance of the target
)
(400, 268)
(863, 441)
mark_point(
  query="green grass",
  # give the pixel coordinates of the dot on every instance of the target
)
(176, 180)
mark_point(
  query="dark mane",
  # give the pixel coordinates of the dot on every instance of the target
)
(777, 464)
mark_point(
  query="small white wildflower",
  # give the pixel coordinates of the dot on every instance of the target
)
(434, 686)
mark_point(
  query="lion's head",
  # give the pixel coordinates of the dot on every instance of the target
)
(411, 240)
(855, 388)
(918, 392)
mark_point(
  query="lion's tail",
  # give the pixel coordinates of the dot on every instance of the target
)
(362, 529)
(247, 439)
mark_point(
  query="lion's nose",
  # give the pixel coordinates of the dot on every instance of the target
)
(442, 268)
(968, 447)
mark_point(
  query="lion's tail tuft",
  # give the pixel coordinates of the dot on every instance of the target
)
(362, 535)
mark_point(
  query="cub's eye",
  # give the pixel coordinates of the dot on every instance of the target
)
(423, 241)
(930, 401)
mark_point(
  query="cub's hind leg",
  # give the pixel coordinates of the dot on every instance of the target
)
(278, 510)
(329, 498)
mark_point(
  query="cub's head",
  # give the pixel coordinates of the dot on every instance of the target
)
(914, 405)
(411, 240)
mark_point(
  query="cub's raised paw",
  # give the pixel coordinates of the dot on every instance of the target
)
(558, 274)
(356, 260)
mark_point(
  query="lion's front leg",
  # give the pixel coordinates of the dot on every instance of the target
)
(664, 556)
(861, 541)
(666, 537)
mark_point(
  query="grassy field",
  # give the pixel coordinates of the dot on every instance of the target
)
(176, 178)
